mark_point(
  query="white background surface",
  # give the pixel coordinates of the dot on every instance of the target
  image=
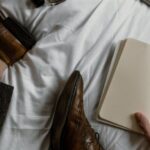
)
(77, 34)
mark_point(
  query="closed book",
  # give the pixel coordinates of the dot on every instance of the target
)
(5, 99)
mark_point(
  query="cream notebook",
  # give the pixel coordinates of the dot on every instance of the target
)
(127, 87)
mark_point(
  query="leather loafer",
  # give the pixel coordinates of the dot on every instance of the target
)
(70, 129)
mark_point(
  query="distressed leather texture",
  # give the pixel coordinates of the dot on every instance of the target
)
(71, 129)
(11, 50)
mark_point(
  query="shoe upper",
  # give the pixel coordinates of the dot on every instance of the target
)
(78, 134)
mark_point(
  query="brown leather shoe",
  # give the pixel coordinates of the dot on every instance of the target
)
(70, 129)
(11, 50)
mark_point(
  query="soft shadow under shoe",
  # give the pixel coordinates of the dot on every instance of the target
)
(70, 129)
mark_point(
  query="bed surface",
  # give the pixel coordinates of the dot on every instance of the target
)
(75, 35)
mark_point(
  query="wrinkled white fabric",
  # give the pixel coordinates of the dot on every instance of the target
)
(77, 34)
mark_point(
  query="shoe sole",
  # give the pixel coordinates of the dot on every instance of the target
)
(62, 110)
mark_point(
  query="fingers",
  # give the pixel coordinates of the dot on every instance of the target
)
(143, 123)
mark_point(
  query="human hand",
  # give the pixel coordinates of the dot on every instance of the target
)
(3, 66)
(144, 123)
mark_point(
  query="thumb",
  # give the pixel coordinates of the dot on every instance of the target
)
(144, 123)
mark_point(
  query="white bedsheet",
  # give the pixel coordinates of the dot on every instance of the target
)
(77, 34)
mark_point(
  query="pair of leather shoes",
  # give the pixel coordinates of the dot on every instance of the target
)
(70, 129)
